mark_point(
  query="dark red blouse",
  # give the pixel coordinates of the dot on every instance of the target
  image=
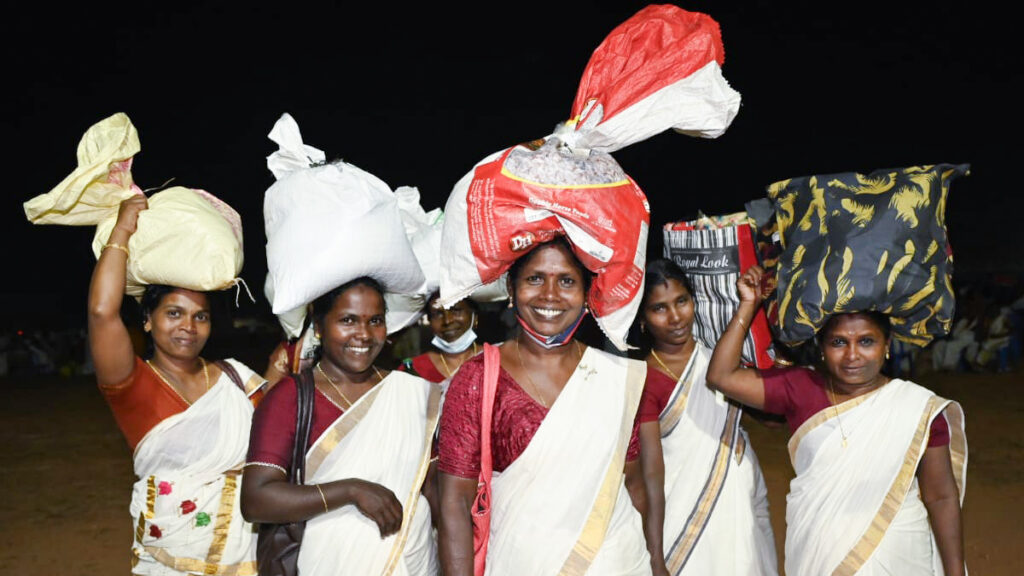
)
(423, 367)
(516, 418)
(799, 393)
(657, 392)
(273, 424)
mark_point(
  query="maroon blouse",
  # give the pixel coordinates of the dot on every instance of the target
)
(799, 393)
(657, 392)
(516, 418)
(273, 423)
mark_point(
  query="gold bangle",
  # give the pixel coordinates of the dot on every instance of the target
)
(117, 246)
(323, 498)
(742, 325)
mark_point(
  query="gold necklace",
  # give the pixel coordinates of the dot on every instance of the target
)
(832, 398)
(206, 377)
(533, 384)
(449, 370)
(348, 403)
(662, 364)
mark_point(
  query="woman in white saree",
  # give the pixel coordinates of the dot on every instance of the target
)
(705, 490)
(187, 420)
(880, 463)
(369, 454)
(565, 446)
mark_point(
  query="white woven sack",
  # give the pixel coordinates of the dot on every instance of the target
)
(329, 224)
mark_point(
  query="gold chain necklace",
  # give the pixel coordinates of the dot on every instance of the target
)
(662, 364)
(206, 377)
(832, 398)
(348, 403)
(445, 363)
(533, 384)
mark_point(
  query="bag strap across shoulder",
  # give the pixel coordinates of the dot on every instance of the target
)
(492, 365)
(305, 388)
(228, 369)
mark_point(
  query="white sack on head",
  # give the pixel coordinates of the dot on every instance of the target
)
(329, 224)
(187, 238)
(657, 71)
(423, 229)
(292, 321)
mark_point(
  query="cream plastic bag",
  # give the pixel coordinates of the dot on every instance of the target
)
(187, 238)
(102, 180)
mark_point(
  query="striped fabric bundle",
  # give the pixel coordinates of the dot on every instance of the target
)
(714, 252)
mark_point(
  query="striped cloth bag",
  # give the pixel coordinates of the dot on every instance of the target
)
(714, 252)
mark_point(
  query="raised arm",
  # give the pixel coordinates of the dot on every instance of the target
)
(111, 345)
(724, 371)
(942, 500)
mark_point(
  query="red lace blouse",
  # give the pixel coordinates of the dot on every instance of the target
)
(517, 416)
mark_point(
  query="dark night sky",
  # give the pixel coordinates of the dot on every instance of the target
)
(417, 96)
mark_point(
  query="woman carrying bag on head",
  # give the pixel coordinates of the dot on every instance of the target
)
(703, 478)
(563, 439)
(369, 452)
(880, 462)
(186, 419)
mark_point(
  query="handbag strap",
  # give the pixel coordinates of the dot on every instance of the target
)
(304, 387)
(492, 364)
(228, 369)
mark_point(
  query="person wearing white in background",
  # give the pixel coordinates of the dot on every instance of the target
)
(703, 477)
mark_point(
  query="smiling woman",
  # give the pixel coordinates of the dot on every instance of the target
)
(186, 420)
(369, 449)
(561, 409)
(705, 489)
(885, 455)
(454, 330)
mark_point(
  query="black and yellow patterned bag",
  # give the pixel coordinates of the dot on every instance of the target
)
(857, 242)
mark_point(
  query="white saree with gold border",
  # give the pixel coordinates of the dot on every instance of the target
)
(185, 504)
(561, 507)
(385, 438)
(856, 509)
(716, 501)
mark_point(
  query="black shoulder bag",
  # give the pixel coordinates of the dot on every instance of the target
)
(277, 545)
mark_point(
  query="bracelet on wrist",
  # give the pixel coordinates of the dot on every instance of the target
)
(322, 498)
(117, 246)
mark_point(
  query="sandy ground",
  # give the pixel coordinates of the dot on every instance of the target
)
(67, 475)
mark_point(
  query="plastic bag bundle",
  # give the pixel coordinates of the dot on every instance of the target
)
(659, 70)
(714, 251)
(866, 242)
(423, 229)
(187, 238)
(327, 224)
